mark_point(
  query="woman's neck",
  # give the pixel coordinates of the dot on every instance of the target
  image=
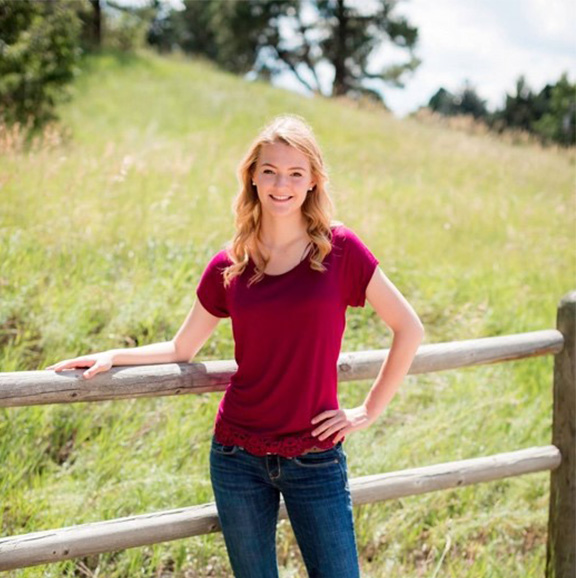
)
(282, 233)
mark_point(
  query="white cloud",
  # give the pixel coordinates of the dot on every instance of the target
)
(491, 43)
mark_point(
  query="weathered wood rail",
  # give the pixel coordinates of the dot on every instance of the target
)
(47, 387)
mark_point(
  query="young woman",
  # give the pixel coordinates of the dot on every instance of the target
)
(285, 280)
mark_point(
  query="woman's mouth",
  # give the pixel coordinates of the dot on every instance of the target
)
(280, 199)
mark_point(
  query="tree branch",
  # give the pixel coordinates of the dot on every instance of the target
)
(284, 55)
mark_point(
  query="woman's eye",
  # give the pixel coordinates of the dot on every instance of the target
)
(266, 171)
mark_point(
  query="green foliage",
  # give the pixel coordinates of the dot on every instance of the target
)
(522, 109)
(465, 101)
(443, 102)
(230, 33)
(349, 35)
(558, 122)
(125, 26)
(165, 30)
(244, 37)
(470, 103)
(38, 57)
(550, 114)
(125, 32)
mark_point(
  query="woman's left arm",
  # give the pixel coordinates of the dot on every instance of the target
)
(392, 307)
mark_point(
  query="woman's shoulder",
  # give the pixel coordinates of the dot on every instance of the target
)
(220, 259)
(348, 239)
(340, 231)
(336, 227)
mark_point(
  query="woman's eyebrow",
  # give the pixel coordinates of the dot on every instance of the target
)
(290, 169)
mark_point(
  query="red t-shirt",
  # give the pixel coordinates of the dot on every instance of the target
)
(287, 332)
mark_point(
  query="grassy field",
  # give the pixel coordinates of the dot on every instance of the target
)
(102, 241)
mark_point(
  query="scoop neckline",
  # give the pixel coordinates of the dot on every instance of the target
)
(304, 260)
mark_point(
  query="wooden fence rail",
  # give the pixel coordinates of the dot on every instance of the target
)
(122, 533)
(24, 388)
(46, 387)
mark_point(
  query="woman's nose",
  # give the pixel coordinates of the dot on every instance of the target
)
(281, 181)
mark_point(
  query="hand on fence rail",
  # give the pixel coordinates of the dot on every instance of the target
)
(97, 362)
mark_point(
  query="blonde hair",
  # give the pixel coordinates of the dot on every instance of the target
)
(317, 209)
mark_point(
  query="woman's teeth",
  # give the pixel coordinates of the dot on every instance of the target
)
(281, 199)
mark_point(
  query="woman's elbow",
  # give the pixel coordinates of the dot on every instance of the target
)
(421, 330)
(413, 328)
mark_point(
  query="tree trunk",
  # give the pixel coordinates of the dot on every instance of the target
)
(340, 86)
(96, 27)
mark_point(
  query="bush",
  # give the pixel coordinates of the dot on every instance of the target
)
(39, 52)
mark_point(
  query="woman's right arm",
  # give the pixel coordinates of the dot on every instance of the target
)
(194, 332)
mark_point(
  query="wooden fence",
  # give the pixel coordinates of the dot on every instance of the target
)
(46, 387)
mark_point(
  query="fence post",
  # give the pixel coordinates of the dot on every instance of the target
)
(561, 547)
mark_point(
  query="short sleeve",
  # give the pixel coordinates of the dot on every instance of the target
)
(211, 291)
(359, 264)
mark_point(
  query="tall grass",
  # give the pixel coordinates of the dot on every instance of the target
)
(102, 241)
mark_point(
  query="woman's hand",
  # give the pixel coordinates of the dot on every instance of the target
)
(97, 362)
(343, 421)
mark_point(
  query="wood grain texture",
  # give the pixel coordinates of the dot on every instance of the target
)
(88, 539)
(23, 388)
(561, 546)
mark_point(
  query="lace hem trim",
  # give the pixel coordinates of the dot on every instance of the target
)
(286, 446)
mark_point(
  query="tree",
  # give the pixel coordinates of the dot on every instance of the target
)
(165, 30)
(92, 17)
(558, 123)
(350, 36)
(550, 114)
(520, 109)
(231, 33)
(465, 101)
(39, 51)
(123, 25)
(127, 25)
(443, 102)
(268, 37)
(468, 102)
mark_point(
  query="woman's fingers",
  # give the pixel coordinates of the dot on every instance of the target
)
(91, 372)
(324, 415)
(71, 364)
(335, 428)
(329, 426)
(97, 363)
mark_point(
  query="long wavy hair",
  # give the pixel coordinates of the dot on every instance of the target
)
(317, 208)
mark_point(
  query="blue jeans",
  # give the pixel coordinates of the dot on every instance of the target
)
(317, 496)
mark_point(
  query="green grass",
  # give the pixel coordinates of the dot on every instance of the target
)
(103, 239)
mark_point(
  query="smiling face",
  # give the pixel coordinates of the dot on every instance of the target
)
(282, 177)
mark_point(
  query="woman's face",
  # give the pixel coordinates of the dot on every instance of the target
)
(282, 177)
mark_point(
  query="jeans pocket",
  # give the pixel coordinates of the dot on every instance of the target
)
(318, 459)
(223, 449)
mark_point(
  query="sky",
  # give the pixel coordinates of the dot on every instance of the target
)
(490, 43)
